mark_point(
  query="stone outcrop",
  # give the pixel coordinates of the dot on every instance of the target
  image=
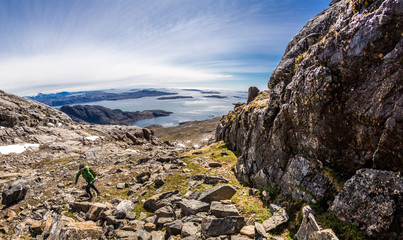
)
(15, 192)
(310, 230)
(372, 199)
(218, 193)
(252, 93)
(279, 217)
(334, 102)
(212, 226)
(18, 111)
(335, 97)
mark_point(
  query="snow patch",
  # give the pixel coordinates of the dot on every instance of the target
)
(131, 150)
(59, 124)
(92, 138)
(196, 146)
(50, 124)
(17, 148)
(180, 145)
(1, 127)
(205, 140)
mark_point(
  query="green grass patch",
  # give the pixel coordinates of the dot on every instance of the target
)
(250, 205)
(336, 179)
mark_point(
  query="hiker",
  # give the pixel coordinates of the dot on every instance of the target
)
(89, 178)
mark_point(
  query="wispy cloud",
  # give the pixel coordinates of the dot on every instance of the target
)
(59, 45)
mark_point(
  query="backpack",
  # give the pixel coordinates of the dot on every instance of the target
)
(92, 171)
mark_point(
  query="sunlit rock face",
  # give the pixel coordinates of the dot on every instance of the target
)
(334, 102)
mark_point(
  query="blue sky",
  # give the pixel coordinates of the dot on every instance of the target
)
(51, 46)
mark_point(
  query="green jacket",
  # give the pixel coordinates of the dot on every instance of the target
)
(87, 175)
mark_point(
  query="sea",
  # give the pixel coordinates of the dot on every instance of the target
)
(199, 107)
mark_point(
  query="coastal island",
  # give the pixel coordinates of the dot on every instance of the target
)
(95, 114)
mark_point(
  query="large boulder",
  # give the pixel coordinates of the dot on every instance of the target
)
(81, 230)
(123, 208)
(279, 217)
(372, 199)
(174, 228)
(15, 192)
(162, 199)
(218, 193)
(212, 226)
(190, 229)
(192, 207)
(310, 230)
(166, 211)
(220, 210)
(96, 211)
(303, 181)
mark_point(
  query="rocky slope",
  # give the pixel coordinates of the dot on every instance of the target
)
(95, 114)
(334, 106)
(149, 189)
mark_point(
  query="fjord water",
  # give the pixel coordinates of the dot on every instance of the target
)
(200, 107)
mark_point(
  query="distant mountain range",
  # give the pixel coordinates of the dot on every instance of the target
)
(65, 98)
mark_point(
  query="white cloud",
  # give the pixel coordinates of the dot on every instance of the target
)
(90, 45)
(95, 69)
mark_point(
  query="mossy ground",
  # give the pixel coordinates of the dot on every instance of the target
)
(194, 132)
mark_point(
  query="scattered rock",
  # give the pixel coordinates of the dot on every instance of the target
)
(248, 231)
(218, 193)
(212, 226)
(166, 211)
(209, 179)
(150, 227)
(120, 185)
(190, 229)
(95, 211)
(123, 208)
(159, 200)
(276, 220)
(260, 229)
(174, 228)
(192, 195)
(143, 177)
(36, 228)
(239, 237)
(192, 207)
(221, 210)
(122, 234)
(134, 189)
(10, 215)
(81, 230)
(159, 182)
(15, 192)
(310, 230)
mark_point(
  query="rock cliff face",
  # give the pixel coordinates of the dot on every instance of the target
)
(334, 104)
